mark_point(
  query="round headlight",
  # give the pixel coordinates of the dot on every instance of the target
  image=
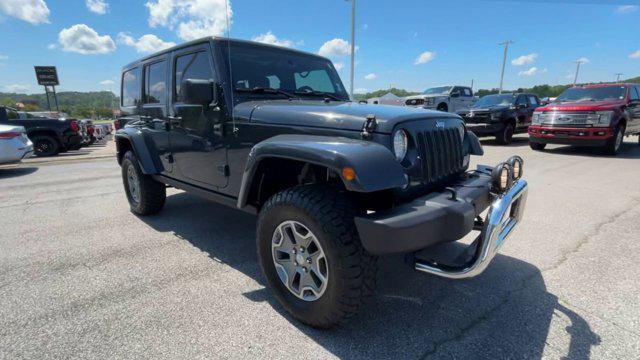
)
(501, 177)
(516, 163)
(400, 144)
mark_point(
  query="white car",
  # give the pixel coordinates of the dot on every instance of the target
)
(443, 98)
(14, 144)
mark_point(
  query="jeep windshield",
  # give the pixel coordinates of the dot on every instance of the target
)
(604, 93)
(437, 90)
(264, 72)
(495, 100)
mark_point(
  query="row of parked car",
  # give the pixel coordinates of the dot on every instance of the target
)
(23, 134)
(598, 115)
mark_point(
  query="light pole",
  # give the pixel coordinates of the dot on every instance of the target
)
(504, 62)
(579, 62)
(353, 45)
(618, 75)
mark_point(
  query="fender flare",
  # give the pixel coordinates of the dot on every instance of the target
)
(375, 166)
(149, 160)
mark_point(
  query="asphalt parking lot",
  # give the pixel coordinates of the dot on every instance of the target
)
(81, 277)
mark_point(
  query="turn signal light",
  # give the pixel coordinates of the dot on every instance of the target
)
(348, 173)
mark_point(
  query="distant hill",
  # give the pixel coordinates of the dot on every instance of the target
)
(78, 104)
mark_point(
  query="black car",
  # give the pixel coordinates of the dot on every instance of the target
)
(335, 184)
(501, 115)
(50, 136)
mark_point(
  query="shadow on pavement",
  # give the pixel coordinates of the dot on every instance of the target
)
(504, 313)
(6, 173)
(517, 141)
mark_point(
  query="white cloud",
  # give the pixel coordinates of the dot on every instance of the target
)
(583, 60)
(524, 59)
(371, 76)
(97, 6)
(626, 9)
(148, 43)
(425, 57)
(191, 19)
(84, 40)
(335, 47)
(338, 65)
(107, 82)
(270, 38)
(635, 55)
(532, 71)
(16, 88)
(52, 46)
(32, 11)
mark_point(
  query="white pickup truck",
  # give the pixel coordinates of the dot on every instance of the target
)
(443, 98)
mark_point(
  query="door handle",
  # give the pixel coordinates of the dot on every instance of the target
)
(175, 120)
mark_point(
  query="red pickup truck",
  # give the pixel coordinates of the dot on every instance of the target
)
(592, 115)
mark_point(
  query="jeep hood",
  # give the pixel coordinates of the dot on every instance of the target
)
(583, 106)
(337, 115)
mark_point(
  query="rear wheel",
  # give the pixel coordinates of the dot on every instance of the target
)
(45, 145)
(537, 146)
(615, 143)
(505, 137)
(146, 196)
(311, 255)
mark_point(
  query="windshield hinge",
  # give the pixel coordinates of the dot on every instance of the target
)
(369, 126)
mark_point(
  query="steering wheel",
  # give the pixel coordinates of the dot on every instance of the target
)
(305, 89)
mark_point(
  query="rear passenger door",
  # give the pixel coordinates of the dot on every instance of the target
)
(155, 107)
(197, 139)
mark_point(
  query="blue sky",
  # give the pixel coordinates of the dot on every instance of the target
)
(408, 44)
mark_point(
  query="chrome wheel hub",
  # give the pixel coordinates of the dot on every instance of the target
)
(299, 260)
(132, 181)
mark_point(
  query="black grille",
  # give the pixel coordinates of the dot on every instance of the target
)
(441, 152)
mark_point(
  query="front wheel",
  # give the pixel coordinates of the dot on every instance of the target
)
(146, 196)
(537, 146)
(505, 136)
(311, 255)
(615, 143)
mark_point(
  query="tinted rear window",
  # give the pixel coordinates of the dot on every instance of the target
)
(155, 83)
(131, 87)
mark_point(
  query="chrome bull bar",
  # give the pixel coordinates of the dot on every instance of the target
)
(504, 215)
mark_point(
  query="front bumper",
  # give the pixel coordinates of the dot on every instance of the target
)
(437, 218)
(484, 129)
(570, 135)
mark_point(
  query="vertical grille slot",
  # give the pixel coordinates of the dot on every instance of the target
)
(440, 152)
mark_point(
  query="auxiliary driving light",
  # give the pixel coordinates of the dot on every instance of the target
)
(501, 177)
(516, 163)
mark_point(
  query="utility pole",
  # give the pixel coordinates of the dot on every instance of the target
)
(353, 44)
(618, 75)
(504, 62)
(579, 62)
(471, 84)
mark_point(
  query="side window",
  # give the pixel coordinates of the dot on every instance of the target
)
(191, 66)
(522, 100)
(635, 93)
(317, 80)
(533, 101)
(155, 83)
(130, 87)
(467, 92)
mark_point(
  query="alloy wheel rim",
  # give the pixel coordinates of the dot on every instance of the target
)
(132, 181)
(299, 260)
(44, 146)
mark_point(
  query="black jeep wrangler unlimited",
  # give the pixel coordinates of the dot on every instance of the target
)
(501, 115)
(272, 131)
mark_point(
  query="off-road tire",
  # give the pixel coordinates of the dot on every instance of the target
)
(45, 145)
(505, 136)
(151, 194)
(612, 147)
(329, 215)
(443, 107)
(537, 146)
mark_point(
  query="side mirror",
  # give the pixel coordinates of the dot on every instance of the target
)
(199, 92)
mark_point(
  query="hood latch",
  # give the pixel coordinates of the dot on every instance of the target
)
(369, 126)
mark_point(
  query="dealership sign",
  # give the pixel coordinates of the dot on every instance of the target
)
(47, 75)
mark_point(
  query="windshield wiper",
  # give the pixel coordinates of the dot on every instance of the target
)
(266, 90)
(319, 93)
